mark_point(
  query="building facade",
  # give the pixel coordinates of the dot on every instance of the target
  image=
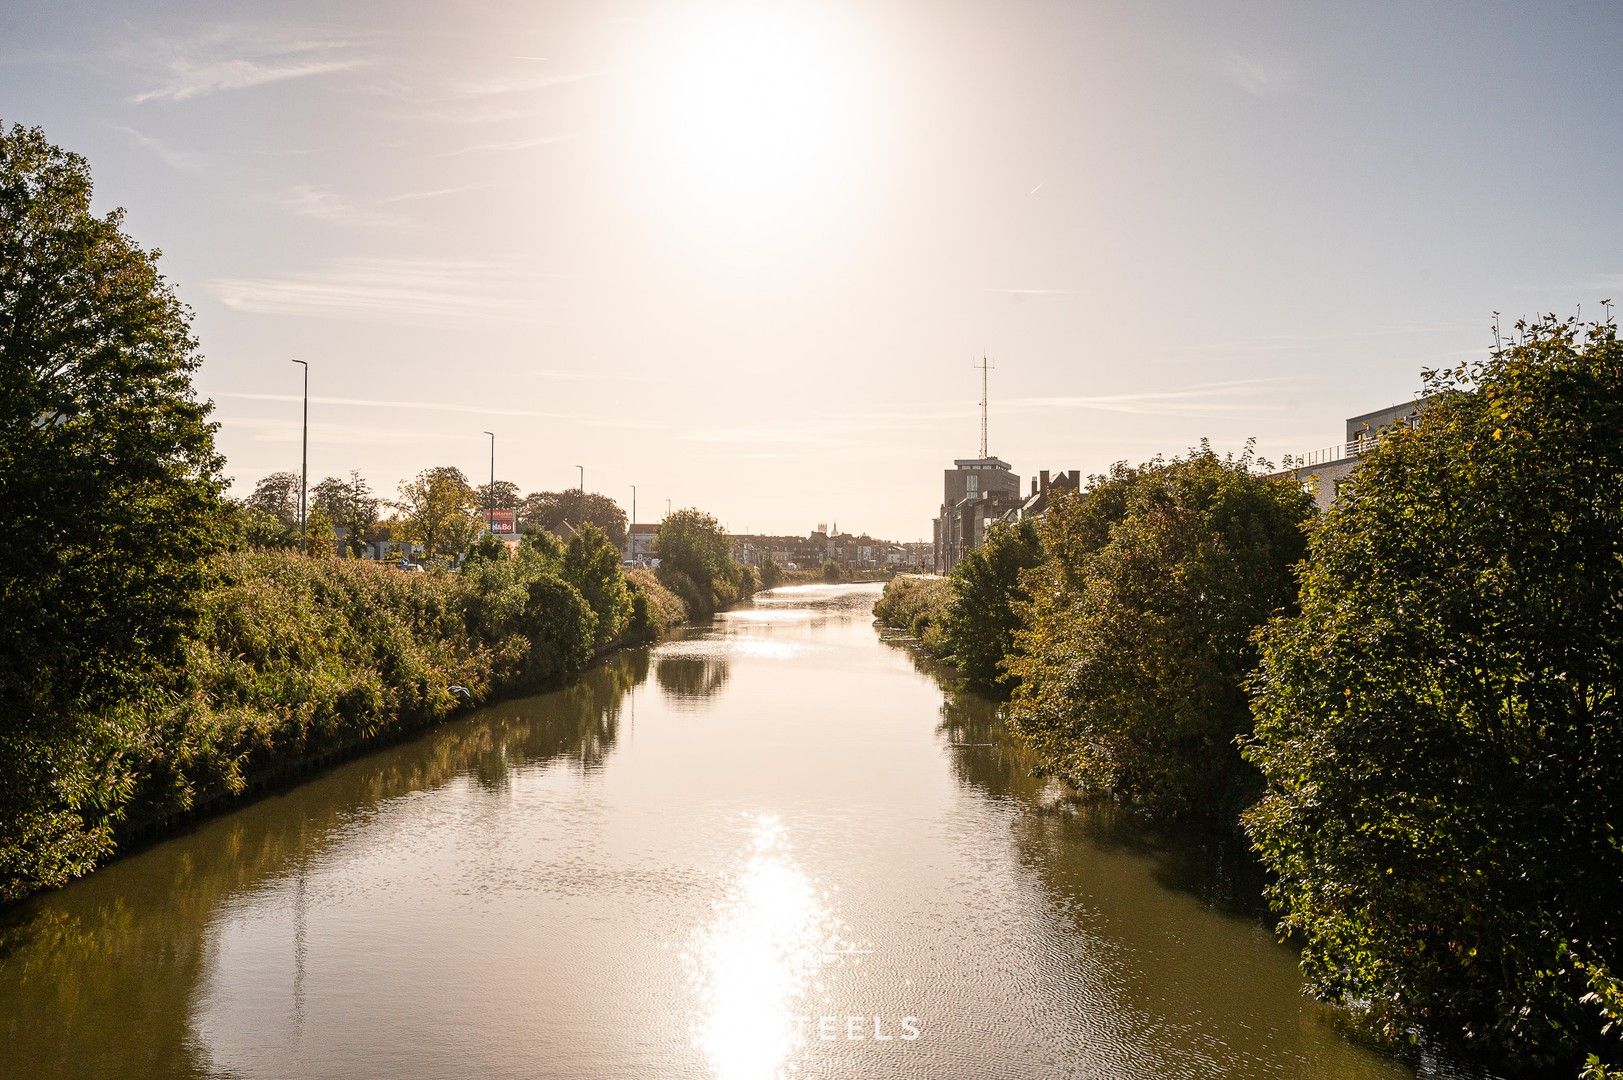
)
(1323, 472)
(975, 492)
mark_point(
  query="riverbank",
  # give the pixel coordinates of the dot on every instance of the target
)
(297, 662)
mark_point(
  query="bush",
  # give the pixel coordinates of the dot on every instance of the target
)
(916, 605)
(655, 609)
(696, 563)
(1440, 727)
(592, 564)
(1136, 641)
(832, 574)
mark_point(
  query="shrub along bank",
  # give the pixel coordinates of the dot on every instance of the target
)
(294, 658)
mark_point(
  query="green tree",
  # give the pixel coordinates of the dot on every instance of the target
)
(592, 565)
(696, 563)
(505, 495)
(278, 495)
(439, 511)
(551, 510)
(1440, 729)
(109, 477)
(350, 505)
(980, 620)
(832, 573)
(1136, 641)
(771, 572)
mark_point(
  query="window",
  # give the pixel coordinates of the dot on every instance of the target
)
(972, 483)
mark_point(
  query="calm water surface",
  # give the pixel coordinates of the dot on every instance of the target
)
(775, 847)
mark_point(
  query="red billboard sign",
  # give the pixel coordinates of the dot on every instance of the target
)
(501, 522)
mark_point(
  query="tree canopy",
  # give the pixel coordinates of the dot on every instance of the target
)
(1135, 644)
(108, 474)
(696, 562)
(1440, 729)
(439, 510)
(348, 504)
(980, 619)
(551, 510)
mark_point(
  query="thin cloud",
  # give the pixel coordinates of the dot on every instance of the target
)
(434, 193)
(1233, 396)
(513, 82)
(272, 430)
(1252, 75)
(507, 146)
(1031, 292)
(237, 58)
(175, 159)
(594, 376)
(444, 406)
(417, 291)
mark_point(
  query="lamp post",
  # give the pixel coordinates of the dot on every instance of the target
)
(304, 462)
(631, 544)
(667, 508)
(490, 492)
(582, 469)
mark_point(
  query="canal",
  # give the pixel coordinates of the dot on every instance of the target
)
(775, 846)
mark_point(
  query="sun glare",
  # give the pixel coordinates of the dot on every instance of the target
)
(753, 109)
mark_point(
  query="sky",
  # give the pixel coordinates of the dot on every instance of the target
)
(745, 256)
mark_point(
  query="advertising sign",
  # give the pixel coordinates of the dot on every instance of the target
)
(501, 522)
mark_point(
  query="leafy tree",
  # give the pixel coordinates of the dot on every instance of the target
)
(1136, 641)
(696, 563)
(438, 511)
(832, 572)
(551, 510)
(350, 505)
(277, 495)
(980, 620)
(321, 534)
(109, 476)
(246, 527)
(504, 496)
(1440, 727)
(488, 548)
(592, 565)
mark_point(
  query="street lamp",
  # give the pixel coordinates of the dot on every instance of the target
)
(582, 469)
(304, 461)
(490, 492)
(631, 544)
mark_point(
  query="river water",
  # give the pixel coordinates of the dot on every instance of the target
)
(773, 847)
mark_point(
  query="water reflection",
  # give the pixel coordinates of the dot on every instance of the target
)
(99, 979)
(690, 672)
(754, 965)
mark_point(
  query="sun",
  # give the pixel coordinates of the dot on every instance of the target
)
(753, 109)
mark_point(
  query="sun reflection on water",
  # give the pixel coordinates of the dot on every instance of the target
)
(758, 960)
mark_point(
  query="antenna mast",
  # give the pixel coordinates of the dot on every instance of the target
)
(983, 367)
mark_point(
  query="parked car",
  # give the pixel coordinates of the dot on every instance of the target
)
(410, 567)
